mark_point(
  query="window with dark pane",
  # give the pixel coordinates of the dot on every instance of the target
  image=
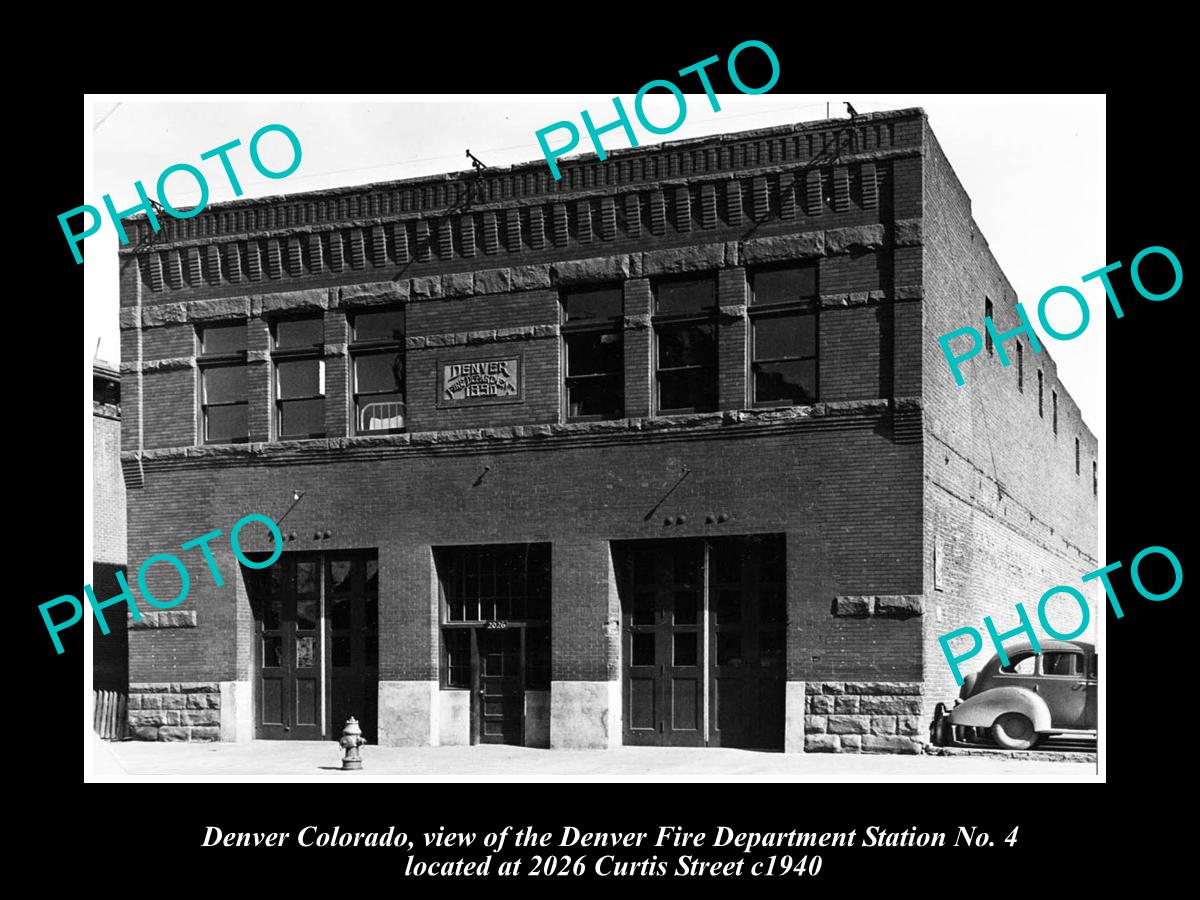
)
(987, 337)
(783, 335)
(456, 644)
(494, 586)
(685, 328)
(223, 391)
(377, 361)
(299, 378)
(593, 353)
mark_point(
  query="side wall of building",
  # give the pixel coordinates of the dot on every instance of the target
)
(1007, 514)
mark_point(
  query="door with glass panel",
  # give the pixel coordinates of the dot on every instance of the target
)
(289, 699)
(704, 637)
(352, 604)
(664, 676)
(747, 636)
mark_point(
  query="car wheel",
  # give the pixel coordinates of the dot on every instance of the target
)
(1013, 731)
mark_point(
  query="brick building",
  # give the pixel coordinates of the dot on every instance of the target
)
(662, 453)
(110, 653)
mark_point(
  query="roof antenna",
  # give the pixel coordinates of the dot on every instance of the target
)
(850, 109)
(96, 355)
(479, 166)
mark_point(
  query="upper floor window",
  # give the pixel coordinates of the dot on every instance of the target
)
(1020, 368)
(783, 335)
(685, 329)
(593, 354)
(299, 378)
(1054, 409)
(1041, 394)
(377, 357)
(223, 393)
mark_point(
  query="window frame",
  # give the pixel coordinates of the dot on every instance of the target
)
(567, 329)
(1079, 654)
(376, 347)
(803, 306)
(658, 320)
(206, 362)
(449, 563)
(315, 352)
(1015, 661)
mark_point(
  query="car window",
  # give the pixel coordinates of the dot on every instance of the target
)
(1020, 665)
(1062, 664)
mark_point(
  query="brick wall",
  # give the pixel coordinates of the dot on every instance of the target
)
(479, 273)
(110, 671)
(1002, 498)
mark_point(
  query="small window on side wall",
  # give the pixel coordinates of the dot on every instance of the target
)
(783, 335)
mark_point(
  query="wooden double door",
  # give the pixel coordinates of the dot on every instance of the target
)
(316, 645)
(704, 638)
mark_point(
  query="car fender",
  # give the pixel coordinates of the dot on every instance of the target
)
(985, 708)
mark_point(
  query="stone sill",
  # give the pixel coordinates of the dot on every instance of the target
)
(549, 434)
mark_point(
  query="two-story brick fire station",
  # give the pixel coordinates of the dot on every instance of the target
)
(664, 452)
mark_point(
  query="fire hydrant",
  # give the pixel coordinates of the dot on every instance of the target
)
(351, 740)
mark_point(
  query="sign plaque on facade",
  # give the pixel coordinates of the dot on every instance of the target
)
(479, 381)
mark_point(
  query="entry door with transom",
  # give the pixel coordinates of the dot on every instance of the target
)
(662, 615)
(288, 699)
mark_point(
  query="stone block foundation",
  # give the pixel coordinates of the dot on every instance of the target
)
(863, 717)
(175, 711)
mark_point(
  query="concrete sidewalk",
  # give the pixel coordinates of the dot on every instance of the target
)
(284, 761)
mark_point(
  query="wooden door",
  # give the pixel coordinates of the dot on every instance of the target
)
(288, 698)
(352, 589)
(500, 699)
(747, 588)
(663, 613)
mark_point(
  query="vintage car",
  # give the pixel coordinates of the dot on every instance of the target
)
(1037, 694)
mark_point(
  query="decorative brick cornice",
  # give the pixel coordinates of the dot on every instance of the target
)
(868, 137)
(706, 185)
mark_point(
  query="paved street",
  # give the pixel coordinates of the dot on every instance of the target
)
(320, 761)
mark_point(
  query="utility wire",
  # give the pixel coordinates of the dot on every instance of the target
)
(104, 119)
